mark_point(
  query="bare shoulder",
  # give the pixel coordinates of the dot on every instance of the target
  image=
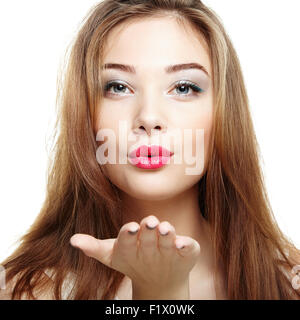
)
(6, 292)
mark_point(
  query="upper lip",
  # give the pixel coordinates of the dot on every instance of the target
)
(153, 150)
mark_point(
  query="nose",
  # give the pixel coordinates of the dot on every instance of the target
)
(148, 126)
(148, 120)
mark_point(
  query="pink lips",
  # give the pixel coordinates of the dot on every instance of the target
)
(151, 157)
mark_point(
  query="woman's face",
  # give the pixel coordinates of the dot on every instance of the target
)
(153, 109)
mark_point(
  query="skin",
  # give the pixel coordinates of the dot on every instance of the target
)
(148, 102)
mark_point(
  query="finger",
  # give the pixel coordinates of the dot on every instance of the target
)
(187, 246)
(148, 234)
(166, 238)
(94, 248)
(127, 238)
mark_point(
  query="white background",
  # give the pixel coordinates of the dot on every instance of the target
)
(34, 36)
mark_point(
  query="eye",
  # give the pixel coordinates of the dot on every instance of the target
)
(182, 86)
(119, 86)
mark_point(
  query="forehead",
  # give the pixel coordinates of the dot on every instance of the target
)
(155, 42)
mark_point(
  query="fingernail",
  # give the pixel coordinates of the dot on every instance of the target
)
(133, 231)
(179, 246)
(164, 233)
(151, 225)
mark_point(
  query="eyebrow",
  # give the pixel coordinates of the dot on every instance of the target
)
(168, 69)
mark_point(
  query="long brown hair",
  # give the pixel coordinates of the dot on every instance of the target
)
(255, 256)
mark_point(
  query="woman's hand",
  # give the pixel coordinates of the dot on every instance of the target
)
(150, 257)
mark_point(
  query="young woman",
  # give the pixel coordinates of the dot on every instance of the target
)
(150, 228)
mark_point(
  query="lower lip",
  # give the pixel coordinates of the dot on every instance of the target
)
(149, 162)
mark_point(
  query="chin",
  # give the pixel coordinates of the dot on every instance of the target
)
(150, 194)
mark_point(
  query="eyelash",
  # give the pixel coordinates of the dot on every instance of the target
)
(188, 84)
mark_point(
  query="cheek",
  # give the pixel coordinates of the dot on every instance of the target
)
(108, 118)
(201, 120)
(201, 126)
(204, 122)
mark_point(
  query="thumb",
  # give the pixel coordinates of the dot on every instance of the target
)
(100, 250)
